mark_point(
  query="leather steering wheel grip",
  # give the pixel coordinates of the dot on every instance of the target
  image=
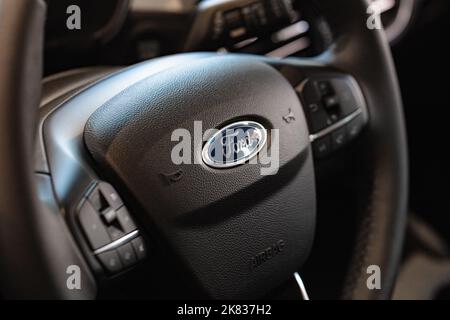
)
(366, 55)
(35, 245)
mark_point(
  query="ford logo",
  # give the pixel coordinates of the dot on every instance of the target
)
(234, 144)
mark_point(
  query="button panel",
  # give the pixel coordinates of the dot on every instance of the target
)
(110, 229)
(260, 17)
(335, 111)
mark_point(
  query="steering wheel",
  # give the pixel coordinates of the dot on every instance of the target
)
(88, 182)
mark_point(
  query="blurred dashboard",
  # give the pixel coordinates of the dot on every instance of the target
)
(271, 27)
(120, 32)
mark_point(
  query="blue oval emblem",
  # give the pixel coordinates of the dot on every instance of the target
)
(234, 144)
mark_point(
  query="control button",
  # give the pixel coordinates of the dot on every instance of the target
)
(125, 220)
(139, 248)
(315, 113)
(325, 88)
(317, 118)
(109, 215)
(330, 102)
(115, 232)
(111, 195)
(97, 200)
(334, 116)
(339, 138)
(322, 147)
(93, 226)
(127, 254)
(313, 108)
(309, 92)
(355, 127)
(110, 260)
(345, 91)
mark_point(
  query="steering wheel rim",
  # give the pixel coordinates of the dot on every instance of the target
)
(366, 54)
(24, 238)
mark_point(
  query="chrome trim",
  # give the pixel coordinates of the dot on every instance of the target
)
(117, 243)
(290, 32)
(144, 6)
(301, 286)
(290, 48)
(220, 165)
(335, 126)
(245, 43)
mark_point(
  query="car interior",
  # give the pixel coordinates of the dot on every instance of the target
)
(224, 150)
